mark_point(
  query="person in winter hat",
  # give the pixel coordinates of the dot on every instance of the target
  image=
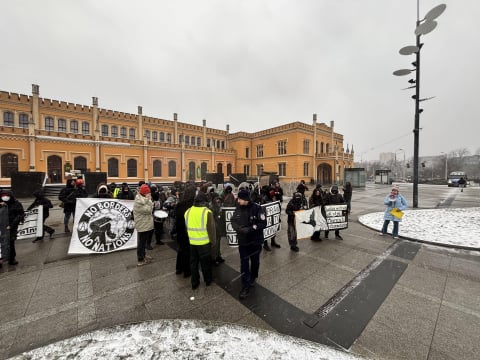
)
(142, 213)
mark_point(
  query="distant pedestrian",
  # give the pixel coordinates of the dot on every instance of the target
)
(46, 204)
(395, 202)
(200, 225)
(278, 192)
(248, 220)
(228, 199)
(347, 195)
(142, 213)
(103, 191)
(461, 183)
(316, 200)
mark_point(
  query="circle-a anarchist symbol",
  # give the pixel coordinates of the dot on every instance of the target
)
(105, 226)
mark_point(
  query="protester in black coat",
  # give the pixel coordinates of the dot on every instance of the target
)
(125, 193)
(68, 197)
(347, 195)
(334, 198)
(183, 250)
(46, 204)
(16, 215)
(248, 221)
(293, 205)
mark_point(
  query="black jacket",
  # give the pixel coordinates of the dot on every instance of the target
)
(249, 221)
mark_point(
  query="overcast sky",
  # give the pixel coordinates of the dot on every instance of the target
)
(256, 64)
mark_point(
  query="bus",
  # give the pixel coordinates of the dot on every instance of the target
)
(454, 176)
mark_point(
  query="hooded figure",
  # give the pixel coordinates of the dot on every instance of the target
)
(46, 204)
(16, 215)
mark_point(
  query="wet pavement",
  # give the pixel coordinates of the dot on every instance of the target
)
(369, 295)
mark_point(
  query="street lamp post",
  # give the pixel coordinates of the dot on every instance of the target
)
(403, 164)
(446, 165)
(423, 27)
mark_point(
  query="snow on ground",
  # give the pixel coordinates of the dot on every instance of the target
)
(449, 227)
(185, 339)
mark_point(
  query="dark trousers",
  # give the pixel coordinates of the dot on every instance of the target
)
(142, 239)
(249, 263)
(13, 237)
(183, 258)
(292, 235)
(158, 227)
(337, 233)
(201, 255)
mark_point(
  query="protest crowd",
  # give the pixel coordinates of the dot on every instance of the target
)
(196, 217)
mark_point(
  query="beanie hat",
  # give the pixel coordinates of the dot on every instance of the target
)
(144, 189)
(102, 189)
(244, 195)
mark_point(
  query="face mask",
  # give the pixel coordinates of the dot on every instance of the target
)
(5, 198)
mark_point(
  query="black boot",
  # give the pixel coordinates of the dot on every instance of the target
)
(67, 230)
(266, 246)
(274, 244)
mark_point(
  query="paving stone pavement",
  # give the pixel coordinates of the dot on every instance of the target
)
(370, 295)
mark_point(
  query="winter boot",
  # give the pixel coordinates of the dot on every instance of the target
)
(67, 230)
(266, 246)
(275, 244)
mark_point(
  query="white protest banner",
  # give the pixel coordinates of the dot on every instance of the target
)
(230, 233)
(336, 216)
(309, 221)
(32, 226)
(103, 226)
(272, 211)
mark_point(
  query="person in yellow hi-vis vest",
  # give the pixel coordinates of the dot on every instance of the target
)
(200, 224)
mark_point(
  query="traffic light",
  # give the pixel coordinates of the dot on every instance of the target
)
(408, 165)
(423, 164)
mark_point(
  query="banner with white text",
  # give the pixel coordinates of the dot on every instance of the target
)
(103, 226)
(311, 220)
(32, 226)
(272, 212)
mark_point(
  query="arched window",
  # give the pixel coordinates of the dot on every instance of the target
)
(62, 125)
(123, 132)
(203, 169)
(80, 163)
(154, 136)
(114, 131)
(172, 168)
(322, 146)
(49, 124)
(327, 148)
(229, 169)
(157, 168)
(187, 140)
(54, 168)
(113, 167)
(23, 121)
(191, 170)
(8, 118)
(147, 134)
(162, 137)
(9, 165)
(199, 141)
(219, 168)
(169, 138)
(74, 126)
(131, 168)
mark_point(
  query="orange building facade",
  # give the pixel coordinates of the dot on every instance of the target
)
(61, 138)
